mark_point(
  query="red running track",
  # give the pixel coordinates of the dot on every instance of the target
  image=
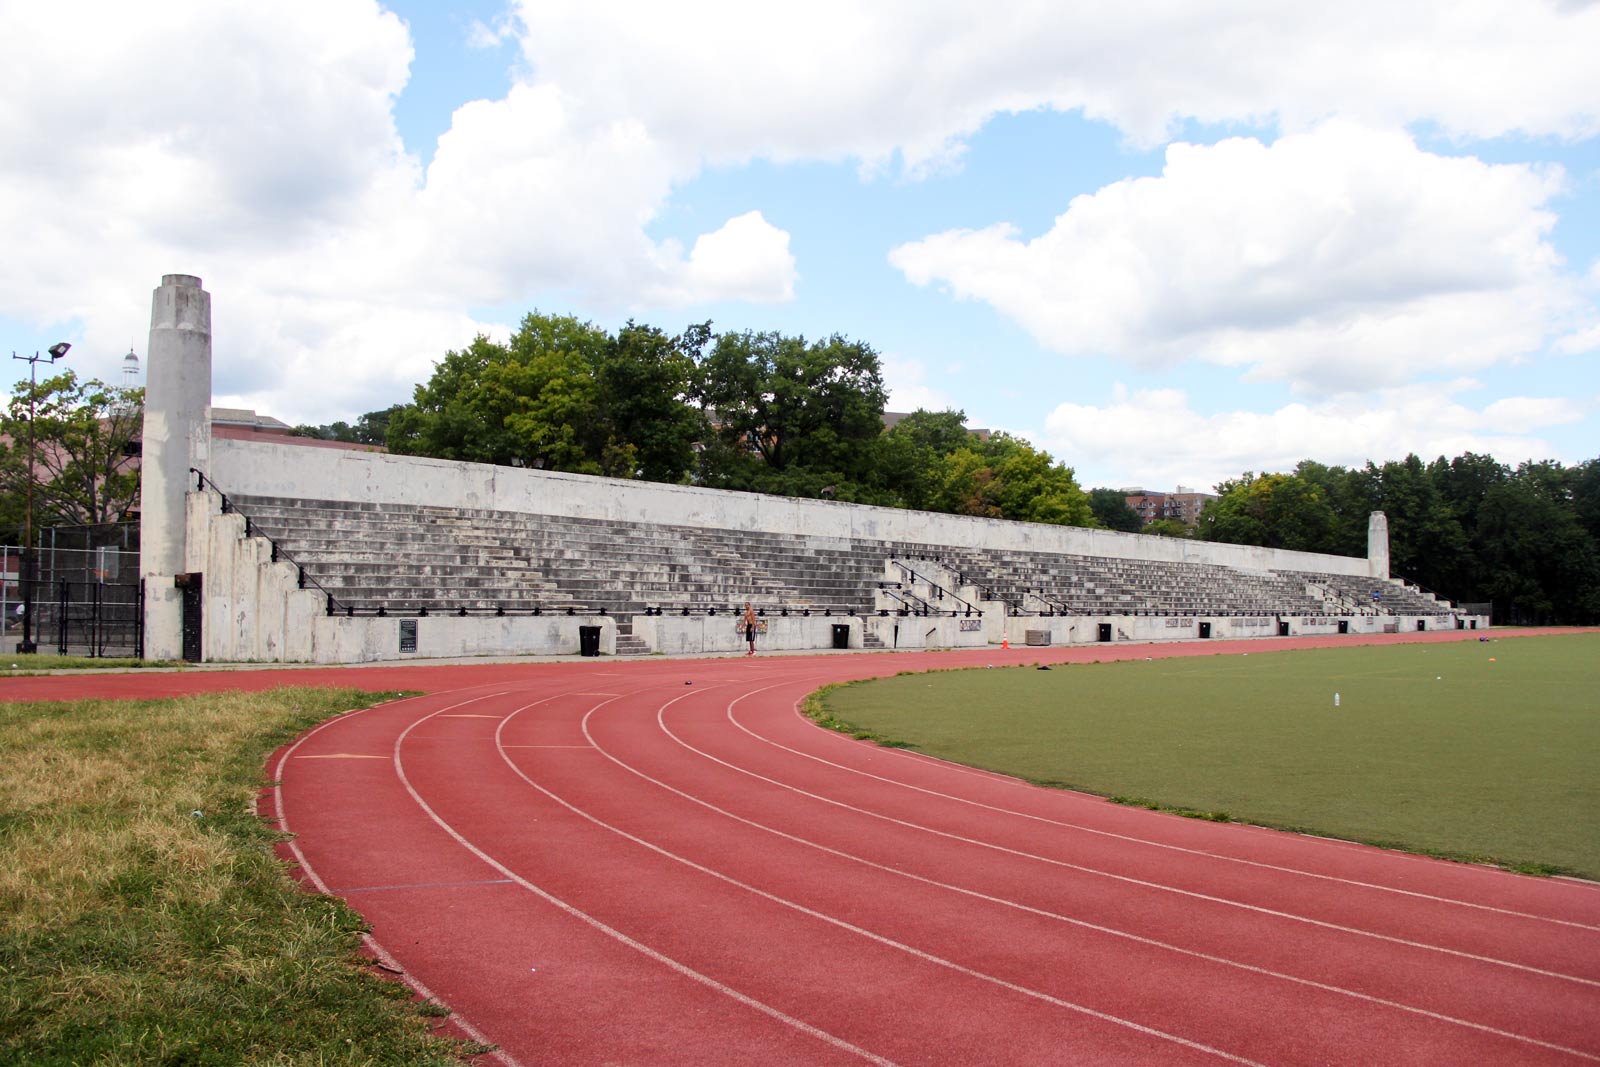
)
(604, 865)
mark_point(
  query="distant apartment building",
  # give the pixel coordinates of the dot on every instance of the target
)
(1184, 504)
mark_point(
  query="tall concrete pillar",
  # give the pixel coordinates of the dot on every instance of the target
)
(1378, 545)
(177, 436)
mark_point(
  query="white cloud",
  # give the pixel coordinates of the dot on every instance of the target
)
(907, 383)
(1335, 259)
(836, 79)
(747, 259)
(255, 146)
(1159, 439)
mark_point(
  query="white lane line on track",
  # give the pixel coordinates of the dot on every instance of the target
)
(638, 946)
(1157, 844)
(422, 885)
(852, 928)
(1130, 879)
(378, 951)
(1082, 923)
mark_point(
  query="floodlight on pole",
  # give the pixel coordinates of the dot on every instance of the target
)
(56, 351)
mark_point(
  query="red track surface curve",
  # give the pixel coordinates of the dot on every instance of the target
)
(601, 864)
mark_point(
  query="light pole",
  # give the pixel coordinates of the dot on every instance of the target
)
(29, 564)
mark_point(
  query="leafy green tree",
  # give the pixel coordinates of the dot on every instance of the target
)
(1470, 528)
(1007, 478)
(1273, 510)
(531, 402)
(793, 417)
(1586, 496)
(1111, 510)
(645, 379)
(1169, 528)
(911, 453)
(1238, 516)
(1350, 497)
(1539, 564)
(370, 429)
(83, 439)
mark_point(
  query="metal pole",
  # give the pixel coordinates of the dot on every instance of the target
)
(57, 351)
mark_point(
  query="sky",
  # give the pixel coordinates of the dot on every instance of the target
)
(1167, 242)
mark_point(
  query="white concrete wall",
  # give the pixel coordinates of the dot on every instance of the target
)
(690, 634)
(927, 631)
(265, 468)
(337, 639)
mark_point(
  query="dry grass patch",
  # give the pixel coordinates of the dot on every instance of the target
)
(143, 915)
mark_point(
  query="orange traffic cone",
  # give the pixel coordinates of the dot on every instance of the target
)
(1005, 642)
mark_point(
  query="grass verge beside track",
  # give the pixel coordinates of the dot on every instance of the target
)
(20, 666)
(1484, 752)
(144, 917)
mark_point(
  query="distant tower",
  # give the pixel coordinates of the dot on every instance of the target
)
(130, 379)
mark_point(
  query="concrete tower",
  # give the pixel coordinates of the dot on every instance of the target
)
(1378, 545)
(177, 436)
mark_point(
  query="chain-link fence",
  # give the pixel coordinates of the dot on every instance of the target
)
(79, 596)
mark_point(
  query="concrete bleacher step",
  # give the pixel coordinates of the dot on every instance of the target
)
(373, 554)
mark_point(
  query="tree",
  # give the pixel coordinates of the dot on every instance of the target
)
(1238, 515)
(1539, 564)
(1273, 510)
(370, 429)
(531, 402)
(83, 440)
(1007, 478)
(911, 454)
(1111, 510)
(792, 417)
(560, 395)
(1169, 528)
(644, 379)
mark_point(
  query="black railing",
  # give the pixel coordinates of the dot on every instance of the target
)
(279, 554)
(735, 610)
(1052, 606)
(937, 591)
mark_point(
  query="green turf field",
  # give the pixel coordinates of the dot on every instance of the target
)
(1486, 751)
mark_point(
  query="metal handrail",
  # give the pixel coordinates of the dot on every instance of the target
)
(278, 551)
(911, 602)
(1057, 607)
(939, 591)
(782, 610)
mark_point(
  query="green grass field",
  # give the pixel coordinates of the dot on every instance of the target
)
(143, 915)
(1477, 751)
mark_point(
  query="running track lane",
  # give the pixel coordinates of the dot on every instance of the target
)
(610, 866)
(594, 863)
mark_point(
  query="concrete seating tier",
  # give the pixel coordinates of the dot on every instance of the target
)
(406, 558)
(1091, 585)
(444, 559)
(1395, 596)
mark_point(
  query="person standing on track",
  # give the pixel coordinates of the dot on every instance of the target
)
(750, 627)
